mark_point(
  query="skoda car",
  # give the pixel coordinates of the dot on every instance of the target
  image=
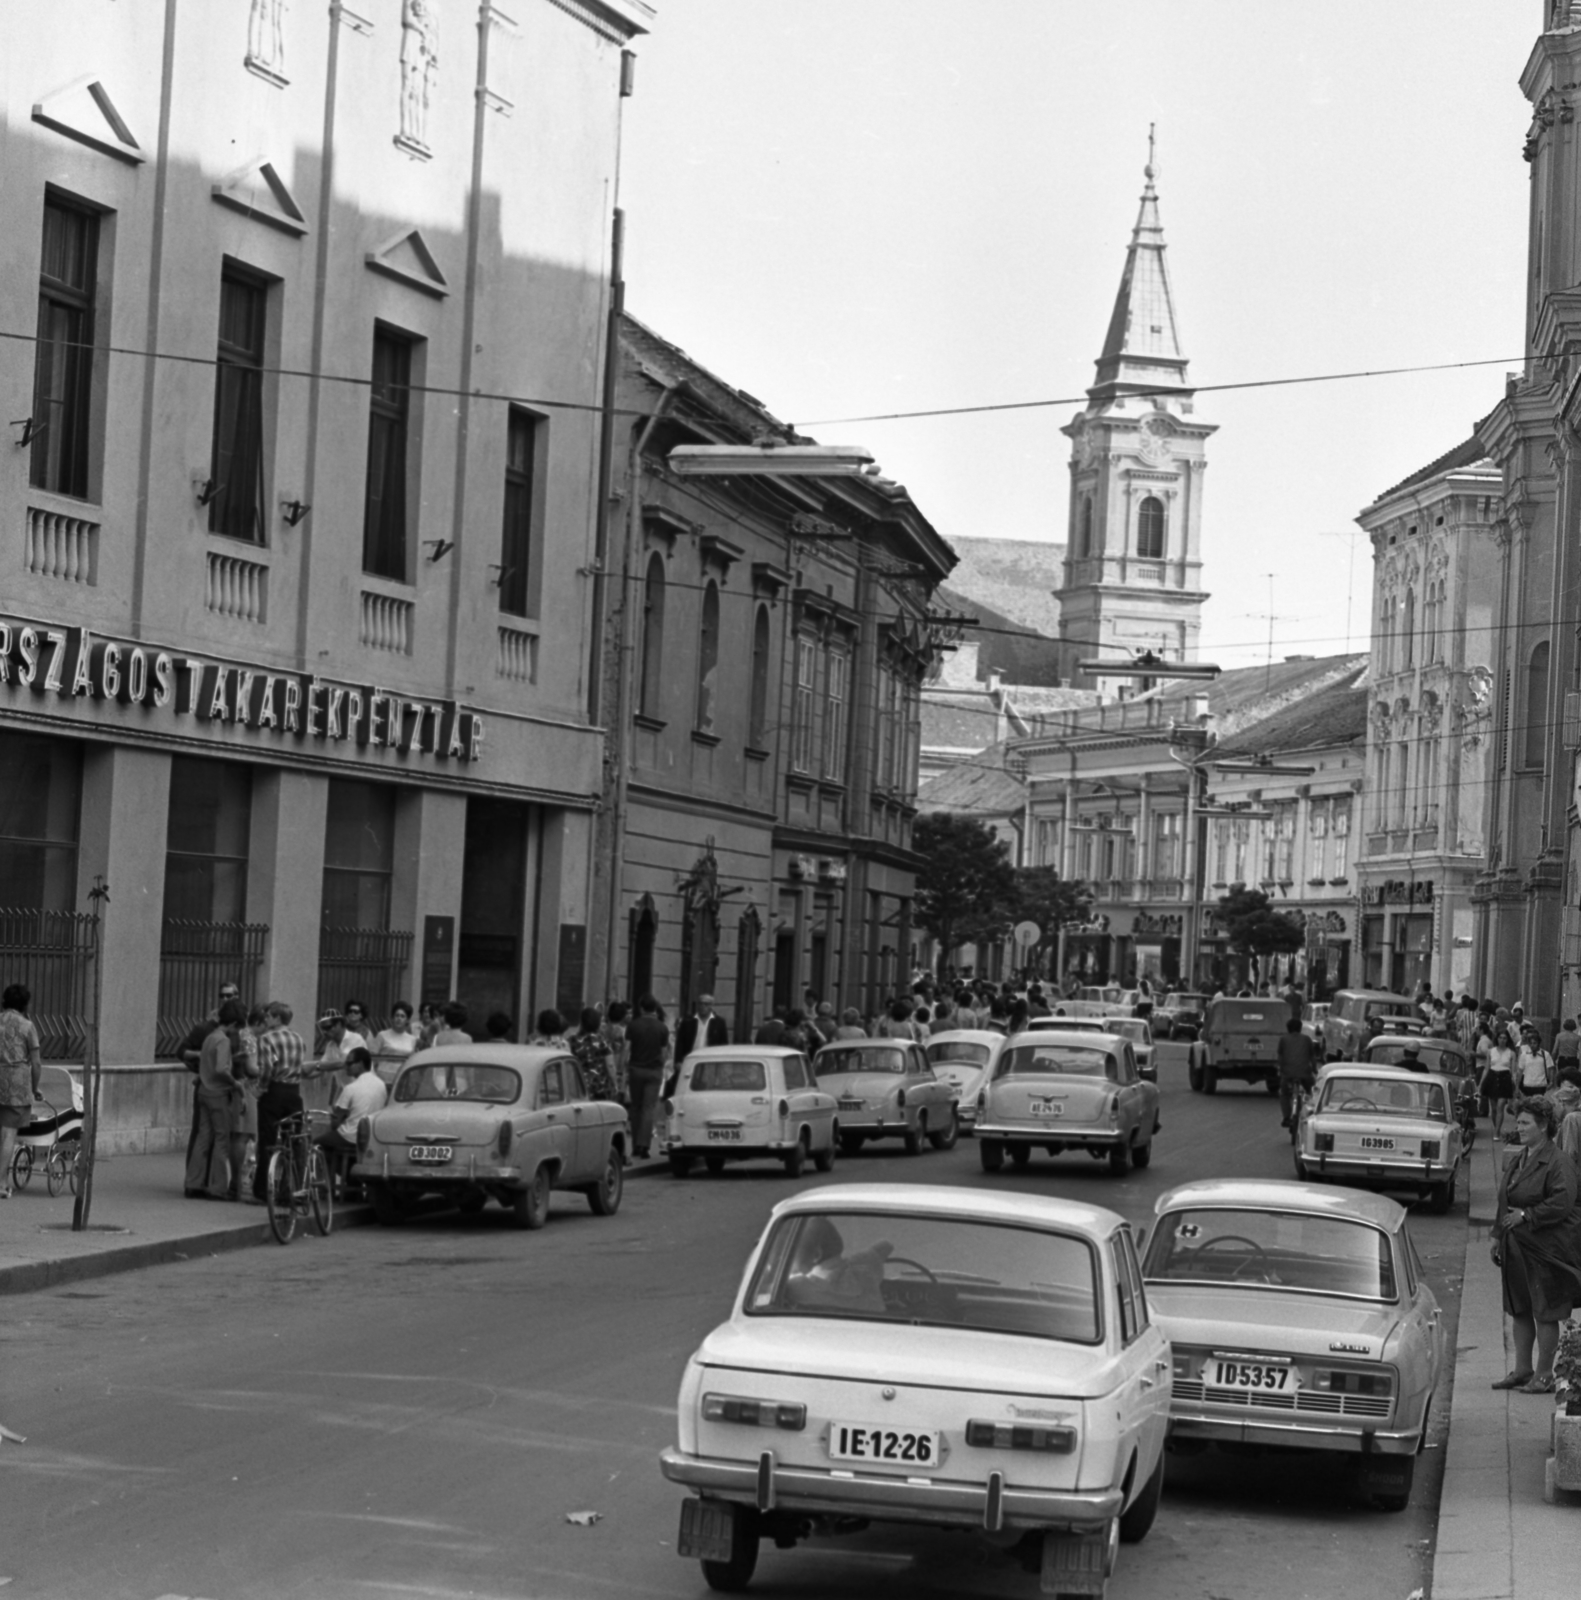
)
(983, 1362)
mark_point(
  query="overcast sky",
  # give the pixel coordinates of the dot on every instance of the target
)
(855, 206)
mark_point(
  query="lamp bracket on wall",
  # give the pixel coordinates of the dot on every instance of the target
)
(206, 489)
(438, 549)
(293, 511)
(500, 575)
(31, 429)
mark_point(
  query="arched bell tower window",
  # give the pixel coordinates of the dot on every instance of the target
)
(1536, 741)
(1084, 542)
(1150, 530)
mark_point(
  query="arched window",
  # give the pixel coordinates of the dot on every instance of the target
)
(1150, 529)
(1535, 744)
(1084, 545)
(758, 723)
(1408, 629)
(650, 695)
(708, 658)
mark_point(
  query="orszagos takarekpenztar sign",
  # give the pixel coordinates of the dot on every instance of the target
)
(75, 664)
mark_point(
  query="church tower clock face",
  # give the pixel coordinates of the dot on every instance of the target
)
(1154, 444)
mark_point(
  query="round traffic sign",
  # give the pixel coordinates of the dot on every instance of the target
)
(1028, 933)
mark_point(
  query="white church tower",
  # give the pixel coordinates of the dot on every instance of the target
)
(1133, 557)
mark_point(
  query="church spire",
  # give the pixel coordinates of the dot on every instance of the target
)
(1142, 348)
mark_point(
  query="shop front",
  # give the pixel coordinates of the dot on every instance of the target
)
(1399, 935)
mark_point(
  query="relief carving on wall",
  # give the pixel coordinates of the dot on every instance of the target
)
(266, 40)
(419, 70)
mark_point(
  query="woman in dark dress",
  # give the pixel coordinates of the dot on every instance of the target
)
(1537, 1243)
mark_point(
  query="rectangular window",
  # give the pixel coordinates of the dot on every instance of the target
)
(1284, 826)
(236, 465)
(1340, 828)
(1317, 831)
(63, 360)
(911, 750)
(40, 800)
(837, 668)
(1240, 838)
(206, 841)
(1221, 852)
(1166, 845)
(359, 855)
(516, 536)
(389, 419)
(802, 710)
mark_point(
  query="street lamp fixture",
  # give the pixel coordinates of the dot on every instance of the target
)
(768, 460)
(1149, 665)
(1263, 766)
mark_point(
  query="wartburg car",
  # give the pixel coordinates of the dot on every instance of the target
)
(963, 1058)
(1380, 1127)
(1071, 1090)
(738, 1102)
(885, 1089)
(1299, 1320)
(471, 1123)
(928, 1355)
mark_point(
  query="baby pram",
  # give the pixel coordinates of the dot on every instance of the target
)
(53, 1138)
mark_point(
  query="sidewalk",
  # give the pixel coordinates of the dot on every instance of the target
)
(139, 1219)
(1497, 1540)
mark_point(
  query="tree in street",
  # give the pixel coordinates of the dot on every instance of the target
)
(1255, 928)
(966, 886)
(1044, 897)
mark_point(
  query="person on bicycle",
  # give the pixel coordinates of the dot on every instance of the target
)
(1296, 1065)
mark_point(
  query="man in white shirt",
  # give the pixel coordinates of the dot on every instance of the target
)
(361, 1097)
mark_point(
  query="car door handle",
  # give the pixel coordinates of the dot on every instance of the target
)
(1145, 1381)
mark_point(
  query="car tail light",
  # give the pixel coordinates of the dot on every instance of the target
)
(1323, 1143)
(784, 1109)
(1114, 1111)
(1018, 1436)
(1432, 1149)
(982, 1101)
(1354, 1382)
(364, 1133)
(754, 1413)
(504, 1142)
(900, 1098)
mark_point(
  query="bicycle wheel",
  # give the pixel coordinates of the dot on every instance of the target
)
(54, 1171)
(74, 1167)
(21, 1166)
(320, 1191)
(279, 1198)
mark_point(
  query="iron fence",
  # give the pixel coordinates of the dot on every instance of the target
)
(52, 953)
(366, 964)
(195, 958)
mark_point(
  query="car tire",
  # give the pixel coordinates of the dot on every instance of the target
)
(913, 1137)
(946, 1137)
(714, 1164)
(1142, 1155)
(1194, 1073)
(733, 1575)
(796, 1159)
(680, 1164)
(1137, 1518)
(1441, 1197)
(991, 1152)
(1210, 1080)
(850, 1144)
(823, 1160)
(605, 1195)
(1120, 1160)
(530, 1208)
(1021, 1154)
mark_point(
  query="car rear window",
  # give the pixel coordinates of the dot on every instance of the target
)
(1069, 1060)
(929, 1271)
(1435, 1056)
(1390, 1008)
(858, 1058)
(963, 1055)
(712, 1076)
(1388, 1097)
(1284, 1250)
(459, 1080)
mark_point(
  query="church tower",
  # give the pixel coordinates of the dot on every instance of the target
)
(1133, 559)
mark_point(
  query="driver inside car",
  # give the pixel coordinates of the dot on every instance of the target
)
(822, 1277)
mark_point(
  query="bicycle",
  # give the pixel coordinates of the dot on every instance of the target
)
(297, 1181)
(1300, 1093)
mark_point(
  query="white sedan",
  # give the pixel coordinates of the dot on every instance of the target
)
(917, 1354)
(964, 1058)
(736, 1102)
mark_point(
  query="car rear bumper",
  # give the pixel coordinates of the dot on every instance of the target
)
(1053, 1133)
(735, 1147)
(1358, 1169)
(1314, 1435)
(870, 1124)
(894, 1499)
(463, 1172)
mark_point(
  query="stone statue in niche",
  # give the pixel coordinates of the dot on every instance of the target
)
(419, 67)
(266, 39)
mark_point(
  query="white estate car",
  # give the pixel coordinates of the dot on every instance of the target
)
(920, 1354)
(735, 1102)
(963, 1058)
(1300, 1320)
(1382, 1127)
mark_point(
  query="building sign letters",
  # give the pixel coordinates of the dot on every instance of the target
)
(1397, 892)
(73, 664)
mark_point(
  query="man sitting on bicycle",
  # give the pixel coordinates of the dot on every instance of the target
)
(1296, 1065)
(364, 1095)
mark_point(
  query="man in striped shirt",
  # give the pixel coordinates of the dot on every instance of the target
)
(282, 1064)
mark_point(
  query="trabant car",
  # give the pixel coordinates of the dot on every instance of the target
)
(508, 1122)
(1139, 1030)
(1299, 1319)
(1346, 1027)
(928, 1355)
(1069, 1090)
(1383, 1127)
(963, 1058)
(739, 1102)
(885, 1089)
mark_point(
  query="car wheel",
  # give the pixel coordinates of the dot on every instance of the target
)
(823, 1160)
(1194, 1073)
(1210, 1080)
(715, 1164)
(733, 1575)
(991, 1152)
(1137, 1518)
(604, 1196)
(1120, 1160)
(1021, 1154)
(914, 1136)
(1441, 1197)
(946, 1137)
(680, 1164)
(796, 1159)
(1142, 1155)
(386, 1207)
(531, 1205)
(850, 1143)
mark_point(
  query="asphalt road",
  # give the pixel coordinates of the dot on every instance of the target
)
(418, 1412)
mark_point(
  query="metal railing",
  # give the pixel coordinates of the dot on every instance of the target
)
(195, 958)
(366, 963)
(52, 953)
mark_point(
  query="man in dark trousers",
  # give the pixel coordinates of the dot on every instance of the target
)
(648, 1041)
(704, 1027)
(1297, 1064)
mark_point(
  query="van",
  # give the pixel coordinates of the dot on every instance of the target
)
(1345, 1027)
(1240, 1039)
